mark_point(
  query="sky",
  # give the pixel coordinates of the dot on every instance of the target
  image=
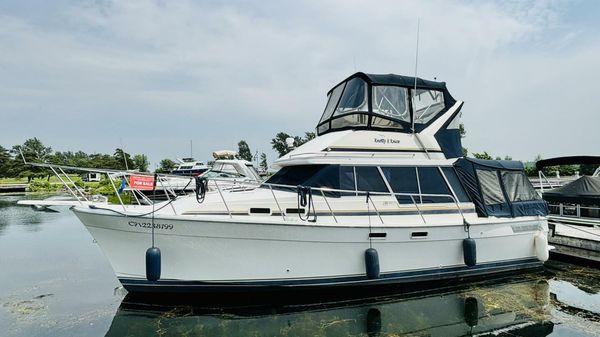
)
(150, 76)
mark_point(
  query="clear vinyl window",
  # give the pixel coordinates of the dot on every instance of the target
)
(391, 102)
(427, 104)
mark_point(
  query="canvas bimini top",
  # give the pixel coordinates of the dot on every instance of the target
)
(384, 102)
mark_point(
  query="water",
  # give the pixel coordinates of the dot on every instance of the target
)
(54, 281)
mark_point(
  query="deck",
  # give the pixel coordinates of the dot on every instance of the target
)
(574, 242)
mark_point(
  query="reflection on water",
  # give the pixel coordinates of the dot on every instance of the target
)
(56, 282)
(13, 214)
(513, 308)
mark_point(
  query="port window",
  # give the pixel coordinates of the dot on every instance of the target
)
(454, 182)
(386, 123)
(427, 104)
(334, 97)
(354, 97)
(347, 181)
(518, 187)
(391, 102)
(369, 179)
(402, 180)
(432, 182)
(490, 187)
(351, 120)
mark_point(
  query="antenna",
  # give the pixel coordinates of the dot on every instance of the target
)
(124, 154)
(191, 149)
(416, 66)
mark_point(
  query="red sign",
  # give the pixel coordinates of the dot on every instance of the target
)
(143, 183)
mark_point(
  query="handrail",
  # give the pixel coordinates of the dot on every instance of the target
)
(561, 207)
(245, 185)
(325, 190)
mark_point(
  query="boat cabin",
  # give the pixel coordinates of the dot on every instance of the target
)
(394, 103)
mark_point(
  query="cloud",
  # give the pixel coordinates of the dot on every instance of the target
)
(158, 73)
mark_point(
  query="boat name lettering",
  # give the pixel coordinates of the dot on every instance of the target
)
(386, 141)
(149, 225)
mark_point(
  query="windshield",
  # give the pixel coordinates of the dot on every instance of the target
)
(253, 172)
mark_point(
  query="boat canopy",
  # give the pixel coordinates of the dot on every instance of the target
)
(571, 160)
(585, 190)
(384, 102)
(499, 188)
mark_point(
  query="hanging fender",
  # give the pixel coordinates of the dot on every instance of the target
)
(540, 242)
(153, 264)
(372, 263)
(470, 252)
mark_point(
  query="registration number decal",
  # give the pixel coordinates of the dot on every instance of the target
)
(166, 226)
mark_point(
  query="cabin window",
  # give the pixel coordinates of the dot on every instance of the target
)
(490, 187)
(354, 97)
(334, 97)
(432, 182)
(227, 168)
(391, 102)
(349, 120)
(327, 177)
(427, 104)
(347, 181)
(318, 176)
(454, 182)
(295, 175)
(369, 179)
(518, 187)
(402, 180)
(386, 123)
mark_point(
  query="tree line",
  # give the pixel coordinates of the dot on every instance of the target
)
(33, 150)
(279, 144)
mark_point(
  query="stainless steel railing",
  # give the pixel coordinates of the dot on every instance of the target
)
(224, 186)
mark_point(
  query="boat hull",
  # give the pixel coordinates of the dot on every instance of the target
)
(202, 254)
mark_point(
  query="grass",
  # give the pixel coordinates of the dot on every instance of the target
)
(53, 180)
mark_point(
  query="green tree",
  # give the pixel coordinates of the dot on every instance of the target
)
(34, 151)
(483, 155)
(123, 160)
(166, 166)
(4, 162)
(263, 162)
(140, 162)
(279, 143)
(587, 169)
(244, 151)
(105, 161)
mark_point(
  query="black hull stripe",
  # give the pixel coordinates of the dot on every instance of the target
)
(143, 285)
(325, 213)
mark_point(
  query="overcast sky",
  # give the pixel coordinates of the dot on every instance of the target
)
(153, 75)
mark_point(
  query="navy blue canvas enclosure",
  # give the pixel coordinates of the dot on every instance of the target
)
(499, 188)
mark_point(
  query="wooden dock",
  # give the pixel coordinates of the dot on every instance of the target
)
(574, 242)
(13, 188)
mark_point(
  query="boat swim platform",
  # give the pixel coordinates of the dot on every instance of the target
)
(574, 242)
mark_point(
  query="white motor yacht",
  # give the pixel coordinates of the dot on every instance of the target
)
(236, 173)
(381, 196)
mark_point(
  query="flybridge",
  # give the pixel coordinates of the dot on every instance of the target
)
(394, 103)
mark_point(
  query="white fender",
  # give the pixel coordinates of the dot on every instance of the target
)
(541, 247)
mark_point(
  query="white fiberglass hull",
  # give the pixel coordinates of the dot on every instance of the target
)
(202, 253)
